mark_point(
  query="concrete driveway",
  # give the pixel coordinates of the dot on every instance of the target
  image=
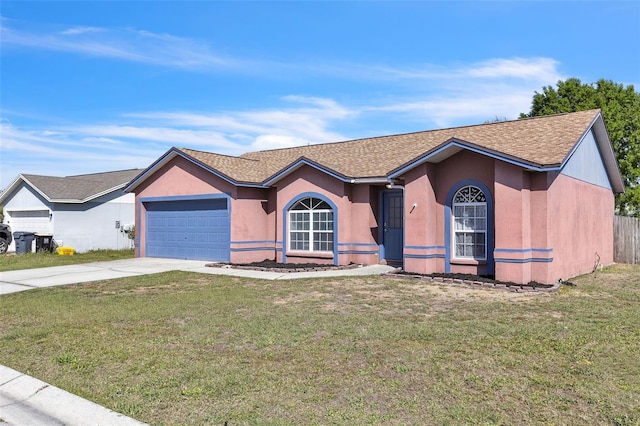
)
(14, 281)
(26, 279)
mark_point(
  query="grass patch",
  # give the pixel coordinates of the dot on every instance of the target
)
(12, 262)
(186, 348)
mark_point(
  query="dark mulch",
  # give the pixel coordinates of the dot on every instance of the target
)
(272, 264)
(481, 278)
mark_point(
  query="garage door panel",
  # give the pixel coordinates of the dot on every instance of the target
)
(194, 229)
(30, 221)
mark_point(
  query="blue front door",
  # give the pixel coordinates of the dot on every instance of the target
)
(392, 226)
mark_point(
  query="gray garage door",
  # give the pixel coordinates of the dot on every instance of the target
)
(192, 229)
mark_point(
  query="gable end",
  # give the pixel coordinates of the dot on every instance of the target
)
(592, 159)
(586, 164)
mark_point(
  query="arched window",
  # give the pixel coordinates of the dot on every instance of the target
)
(311, 226)
(470, 224)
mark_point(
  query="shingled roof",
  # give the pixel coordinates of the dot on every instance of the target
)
(541, 141)
(537, 143)
(79, 188)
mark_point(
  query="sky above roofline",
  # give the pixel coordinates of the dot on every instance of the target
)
(90, 87)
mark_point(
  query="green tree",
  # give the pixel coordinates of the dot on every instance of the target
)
(620, 107)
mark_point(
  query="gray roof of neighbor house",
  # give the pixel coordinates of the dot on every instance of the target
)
(75, 189)
(539, 143)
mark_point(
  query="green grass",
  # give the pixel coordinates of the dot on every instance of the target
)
(11, 262)
(185, 348)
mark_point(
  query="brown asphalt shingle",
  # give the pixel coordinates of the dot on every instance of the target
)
(539, 141)
(236, 168)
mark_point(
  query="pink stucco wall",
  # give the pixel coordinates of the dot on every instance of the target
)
(257, 214)
(253, 225)
(424, 222)
(587, 230)
(557, 222)
(464, 166)
(539, 221)
(363, 228)
(512, 195)
(427, 187)
(357, 223)
(251, 214)
(547, 225)
(523, 251)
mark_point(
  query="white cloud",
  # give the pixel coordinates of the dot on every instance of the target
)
(61, 153)
(307, 123)
(448, 112)
(59, 144)
(473, 93)
(538, 69)
(265, 142)
(166, 135)
(81, 30)
(465, 95)
(432, 96)
(518, 69)
(123, 44)
(94, 147)
(424, 81)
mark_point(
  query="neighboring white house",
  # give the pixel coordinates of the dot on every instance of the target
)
(86, 212)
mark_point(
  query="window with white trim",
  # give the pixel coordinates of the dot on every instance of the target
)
(470, 224)
(311, 226)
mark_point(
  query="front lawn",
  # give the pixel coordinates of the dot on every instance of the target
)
(187, 348)
(12, 262)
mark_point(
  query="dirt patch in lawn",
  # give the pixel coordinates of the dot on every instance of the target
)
(395, 297)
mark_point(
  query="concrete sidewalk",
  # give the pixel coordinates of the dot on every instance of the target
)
(25, 400)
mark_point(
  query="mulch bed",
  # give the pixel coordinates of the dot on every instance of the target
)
(477, 281)
(460, 279)
(272, 266)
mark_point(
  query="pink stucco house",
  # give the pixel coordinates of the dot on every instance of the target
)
(524, 200)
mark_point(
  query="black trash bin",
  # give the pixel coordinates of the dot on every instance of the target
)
(23, 241)
(44, 242)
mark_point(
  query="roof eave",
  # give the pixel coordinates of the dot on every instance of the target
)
(250, 185)
(453, 146)
(608, 155)
(105, 192)
(90, 197)
(302, 161)
(161, 161)
(67, 201)
(606, 151)
(166, 158)
(14, 185)
(370, 180)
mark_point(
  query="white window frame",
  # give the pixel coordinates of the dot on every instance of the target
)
(316, 216)
(471, 201)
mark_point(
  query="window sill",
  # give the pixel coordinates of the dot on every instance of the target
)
(470, 262)
(311, 254)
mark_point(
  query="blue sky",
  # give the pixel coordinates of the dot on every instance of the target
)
(89, 87)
